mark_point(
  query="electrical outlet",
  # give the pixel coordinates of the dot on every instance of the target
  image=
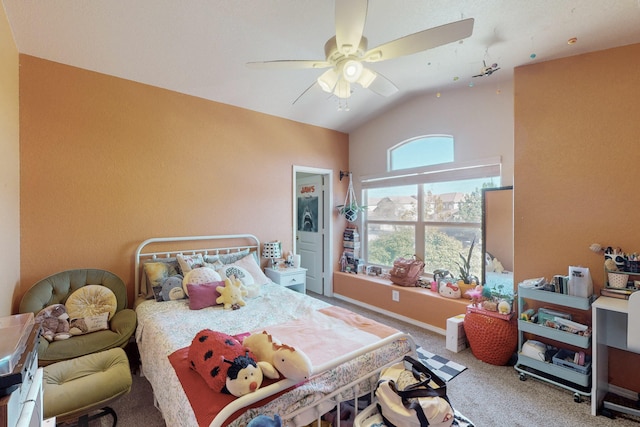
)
(395, 296)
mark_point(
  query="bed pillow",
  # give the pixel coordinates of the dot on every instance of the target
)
(199, 276)
(203, 295)
(240, 273)
(91, 300)
(249, 264)
(189, 262)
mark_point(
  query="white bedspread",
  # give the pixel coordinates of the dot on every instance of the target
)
(169, 326)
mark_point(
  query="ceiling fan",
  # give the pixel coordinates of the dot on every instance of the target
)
(487, 71)
(347, 51)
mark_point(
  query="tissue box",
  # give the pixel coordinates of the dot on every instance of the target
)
(456, 338)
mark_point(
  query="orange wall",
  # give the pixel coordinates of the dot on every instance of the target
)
(9, 167)
(576, 166)
(106, 163)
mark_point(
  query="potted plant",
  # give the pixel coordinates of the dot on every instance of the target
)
(466, 280)
(351, 211)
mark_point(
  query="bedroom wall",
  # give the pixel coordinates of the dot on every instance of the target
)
(9, 167)
(576, 169)
(107, 163)
(479, 118)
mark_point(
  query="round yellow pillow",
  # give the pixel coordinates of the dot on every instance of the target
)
(91, 300)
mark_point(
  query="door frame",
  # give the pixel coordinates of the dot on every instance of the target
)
(327, 242)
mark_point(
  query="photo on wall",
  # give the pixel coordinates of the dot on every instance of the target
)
(308, 214)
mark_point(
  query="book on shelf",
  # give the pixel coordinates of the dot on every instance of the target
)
(616, 293)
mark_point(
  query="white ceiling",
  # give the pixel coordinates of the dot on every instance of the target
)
(201, 47)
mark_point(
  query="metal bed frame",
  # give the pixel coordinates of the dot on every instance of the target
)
(350, 391)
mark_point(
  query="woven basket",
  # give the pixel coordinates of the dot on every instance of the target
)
(617, 280)
(491, 339)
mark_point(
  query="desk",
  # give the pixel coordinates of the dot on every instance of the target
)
(615, 324)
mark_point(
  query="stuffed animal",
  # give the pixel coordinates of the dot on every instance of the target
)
(265, 421)
(231, 294)
(225, 364)
(504, 307)
(243, 376)
(291, 363)
(55, 322)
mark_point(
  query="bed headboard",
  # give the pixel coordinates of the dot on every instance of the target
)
(168, 247)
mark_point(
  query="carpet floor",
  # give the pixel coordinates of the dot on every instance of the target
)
(488, 395)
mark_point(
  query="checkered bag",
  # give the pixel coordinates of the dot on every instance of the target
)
(410, 395)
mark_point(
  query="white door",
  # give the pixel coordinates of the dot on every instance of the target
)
(310, 229)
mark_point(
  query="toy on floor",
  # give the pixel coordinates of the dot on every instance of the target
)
(290, 362)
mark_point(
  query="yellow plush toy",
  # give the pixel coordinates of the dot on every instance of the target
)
(231, 294)
(291, 363)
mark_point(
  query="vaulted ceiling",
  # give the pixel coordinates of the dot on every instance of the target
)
(201, 48)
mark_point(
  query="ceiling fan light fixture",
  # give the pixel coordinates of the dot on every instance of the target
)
(352, 70)
(366, 78)
(342, 89)
(327, 81)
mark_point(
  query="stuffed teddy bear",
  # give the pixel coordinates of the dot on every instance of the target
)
(231, 294)
(225, 364)
(55, 322)
(291, 363)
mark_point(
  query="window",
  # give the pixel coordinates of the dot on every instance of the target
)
(427, 205)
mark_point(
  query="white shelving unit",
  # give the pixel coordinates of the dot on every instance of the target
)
(577, 382)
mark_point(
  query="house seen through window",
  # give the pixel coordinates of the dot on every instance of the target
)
(427, 204)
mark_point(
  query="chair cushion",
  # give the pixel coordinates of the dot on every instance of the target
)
(77, 386)
(121, 328)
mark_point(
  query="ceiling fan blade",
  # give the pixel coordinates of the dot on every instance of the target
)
(288, 64)
(420, 41)
(382, 86)
(304, 92)
(350, 18)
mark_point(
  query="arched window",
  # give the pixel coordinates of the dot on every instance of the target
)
(421, 151)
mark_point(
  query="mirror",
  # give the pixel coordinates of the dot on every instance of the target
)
(497, 238)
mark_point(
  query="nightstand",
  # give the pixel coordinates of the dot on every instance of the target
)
(291, 277)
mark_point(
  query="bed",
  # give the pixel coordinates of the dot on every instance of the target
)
(347, 350)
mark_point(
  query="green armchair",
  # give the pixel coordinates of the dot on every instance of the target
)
(55, 289)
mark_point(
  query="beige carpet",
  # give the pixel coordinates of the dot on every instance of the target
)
(488, 395)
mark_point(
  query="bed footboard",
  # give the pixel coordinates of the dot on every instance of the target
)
(318, 407)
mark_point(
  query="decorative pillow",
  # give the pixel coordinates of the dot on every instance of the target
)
(172, 289)
(199, 276)
(240, 273)
(91, 300)
(249, 264)
(88, 324)
(189, 262)
(156, 272)
(227, 258)
(204, 295)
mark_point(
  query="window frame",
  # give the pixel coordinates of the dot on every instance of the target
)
(420, 176)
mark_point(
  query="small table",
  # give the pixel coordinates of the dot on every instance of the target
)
(294, 278)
